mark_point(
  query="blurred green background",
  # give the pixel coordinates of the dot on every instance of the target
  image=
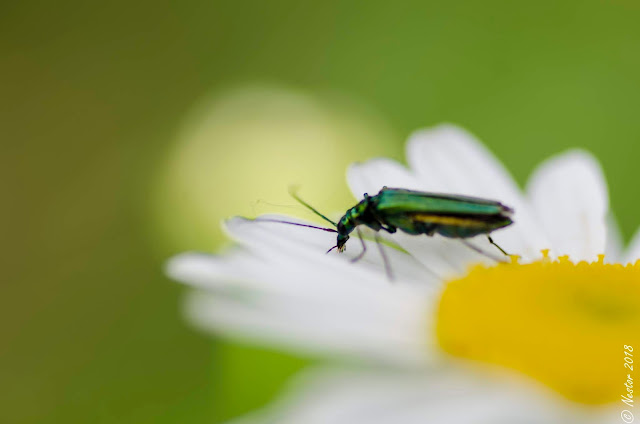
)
(129, 129)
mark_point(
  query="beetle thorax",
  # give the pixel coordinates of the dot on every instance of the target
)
(352, 218)
(349, 221)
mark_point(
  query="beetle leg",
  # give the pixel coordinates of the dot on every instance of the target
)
(480, 251)
(364, 246)
(389, 229)
(387, 265)
(499, 248)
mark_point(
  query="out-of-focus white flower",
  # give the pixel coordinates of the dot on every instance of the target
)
(438, 341)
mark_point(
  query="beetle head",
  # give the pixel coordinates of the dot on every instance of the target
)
(342, 240)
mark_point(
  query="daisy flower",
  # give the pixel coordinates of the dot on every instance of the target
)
(455, 338)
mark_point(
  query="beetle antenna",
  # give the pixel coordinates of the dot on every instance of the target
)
(332, 248)
(329, 230)
(293, 194)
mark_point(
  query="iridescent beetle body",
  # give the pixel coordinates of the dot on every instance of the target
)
(416, 212)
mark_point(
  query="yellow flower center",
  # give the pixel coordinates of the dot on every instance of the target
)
(566, 325)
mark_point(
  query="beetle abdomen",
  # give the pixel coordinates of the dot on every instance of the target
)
(452, 226)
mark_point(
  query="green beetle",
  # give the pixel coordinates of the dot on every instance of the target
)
(416, 212)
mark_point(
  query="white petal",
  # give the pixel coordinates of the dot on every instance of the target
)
(379, 331)
(633, 252)
(569, 195)
(448, 159)
(360, 397)
(283, 290)
(614, 244)
(244, 271)
(369, 177)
